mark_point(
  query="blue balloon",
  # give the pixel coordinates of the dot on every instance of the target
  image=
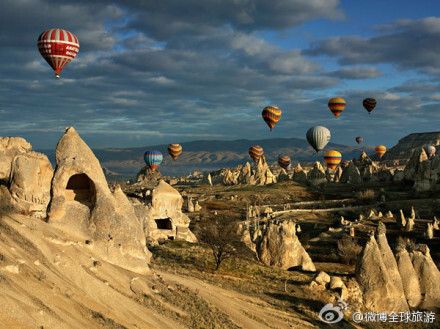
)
(153, 159)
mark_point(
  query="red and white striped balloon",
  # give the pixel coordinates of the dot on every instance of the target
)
(58, 47)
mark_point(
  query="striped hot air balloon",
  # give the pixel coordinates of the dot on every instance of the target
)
(58, 47)
(153, 159)
(256, 152)
(369, 104)
(430, 151)
(380, 150)
(174, 150)
(284, 162)
(336, 105)
(318, 137)
(359, 139)
(271, 115)
(332, 158)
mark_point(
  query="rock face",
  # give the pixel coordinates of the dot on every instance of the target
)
(281, 247)
(424, 172)
(29, 183)
(9, 148)
(83, 205)
(163, 218)
(376, 281)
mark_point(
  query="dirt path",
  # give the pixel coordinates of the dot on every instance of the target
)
(245, 311)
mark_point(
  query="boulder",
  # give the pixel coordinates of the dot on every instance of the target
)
(336, 282)
(29, 183)
(322, 279)
(280, 247)
(83, 206)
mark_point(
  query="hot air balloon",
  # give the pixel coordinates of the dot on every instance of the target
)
(271, 115)
(369, 104)
(345, 163)
(336, 105)
(284, 162)
(430, 151)
(174, 150)
(318, 137)
(58, 47)
(332, 158)
(256, 152)
(359, 139)
(380, 150)
(153, 159)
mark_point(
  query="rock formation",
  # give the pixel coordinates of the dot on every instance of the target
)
(317, 175)
(148, 176)
(10, 147)
(429, 276)
(410, 280)
(29, 183)
(299, 175)
(163, 218)
(83, 206)
(373, 275)
(280, 247)
(351, 174)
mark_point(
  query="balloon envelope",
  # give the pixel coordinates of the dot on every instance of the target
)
(336, 105)
(318, 137)
(369, 104)
(153, 159)
(430, 151)
(256, 152)
(359, 139)
(380, 150)
(271, 115)
(58, 47)
(284, 162)
(174, 150)
(332, 158)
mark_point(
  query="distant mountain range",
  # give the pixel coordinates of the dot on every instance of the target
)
(213, 154)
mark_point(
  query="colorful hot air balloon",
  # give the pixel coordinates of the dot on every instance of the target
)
(174, 150)
(284, 162)
(153, 159)
(369, 104)
(336, 105)
(318, 137)
(332, 158)
(58, 47)
(380, 150)
(271, 115)
(430, 151)
(359, 139)
(345, 163)
(256, 152)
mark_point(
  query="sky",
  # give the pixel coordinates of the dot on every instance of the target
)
(154, 72)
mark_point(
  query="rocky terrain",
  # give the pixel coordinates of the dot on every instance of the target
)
(241, 247)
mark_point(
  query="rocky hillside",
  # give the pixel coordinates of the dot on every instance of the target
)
(401, 153)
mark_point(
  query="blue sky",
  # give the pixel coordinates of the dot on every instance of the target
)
(152, 72)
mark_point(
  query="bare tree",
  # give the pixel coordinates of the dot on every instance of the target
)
(222, 238)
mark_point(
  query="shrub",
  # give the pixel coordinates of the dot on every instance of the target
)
(348, 249)
(366, 195)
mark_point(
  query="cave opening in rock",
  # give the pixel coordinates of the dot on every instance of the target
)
(164, 224)
(81, 188)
